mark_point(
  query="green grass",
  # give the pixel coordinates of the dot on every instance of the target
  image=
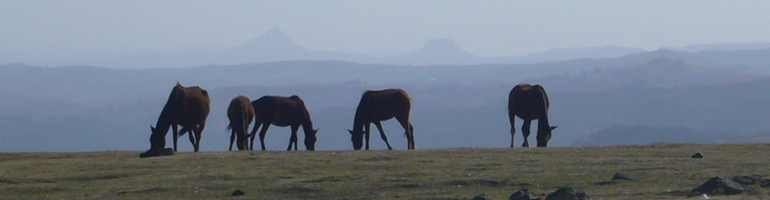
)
(662, 171)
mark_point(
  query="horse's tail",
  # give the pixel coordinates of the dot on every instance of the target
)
(245, 122)
(411, 131)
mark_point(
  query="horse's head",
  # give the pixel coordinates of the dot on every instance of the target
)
(310, 140)
(157, 138)
(544, 135)
(357, 137)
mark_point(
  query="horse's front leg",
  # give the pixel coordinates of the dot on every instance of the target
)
(174, 129)
(525, 132)
(382, 134)
(262, 135)
(512, 120)
(198, 131)
(293, 138)
(366, 134)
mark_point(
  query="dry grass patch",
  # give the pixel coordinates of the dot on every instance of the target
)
(661, 171)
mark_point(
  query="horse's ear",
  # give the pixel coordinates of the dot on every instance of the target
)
(315, 131)
(554, 127)
(152, 128)
(351, 132)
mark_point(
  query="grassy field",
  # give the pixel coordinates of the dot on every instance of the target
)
(662, 171)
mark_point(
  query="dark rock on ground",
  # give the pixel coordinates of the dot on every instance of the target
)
(747, 180)
(567, 194)
(751, 180)
(238, 193)
(481, 197)
(697, 155)
(718, 186)
(621, 176)
(153, 153)
(523, 194)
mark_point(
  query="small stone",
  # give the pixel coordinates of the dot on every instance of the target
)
(238, 193)
(621, 176)
(747, 180)
(718, 186)
(567, 194)
(697, 155)
(523, 194)
(481, 197)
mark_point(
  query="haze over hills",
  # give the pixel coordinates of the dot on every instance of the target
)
(454, 105)
(723, 47)
(274, 45)
(658, 72)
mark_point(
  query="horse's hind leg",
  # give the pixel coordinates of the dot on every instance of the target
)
(411, 136)
(293, 138)
(192, 138)
(232, 139)
(525, 132)
(197, 139)
(198, 136)
(408, 131)
(382, 134)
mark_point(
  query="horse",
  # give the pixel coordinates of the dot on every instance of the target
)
(187, 107)
(282, 112)
(376, 106)
(530, 102)
(241, 113)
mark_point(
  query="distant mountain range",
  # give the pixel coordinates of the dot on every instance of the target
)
(599, 95)
(657, 72)
(274, 45)
(68, 108)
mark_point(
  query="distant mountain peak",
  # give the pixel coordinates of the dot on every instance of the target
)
(273, 37)
(441, 45)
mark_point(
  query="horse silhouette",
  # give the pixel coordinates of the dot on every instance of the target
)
(282, 112)
(530, 102)
(187, 107)
(241, 113)
(376, 106)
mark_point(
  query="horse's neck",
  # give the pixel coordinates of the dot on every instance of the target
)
(542, 123)
(163, 124)
(358, 120)
(308, 127)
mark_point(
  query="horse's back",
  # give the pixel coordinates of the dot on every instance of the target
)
(187, 105)
(239, 107)
(265, 108)
(281, 111)
(528, 101)
(385, 104)
(198, 103)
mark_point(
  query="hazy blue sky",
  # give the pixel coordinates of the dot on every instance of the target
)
(486, 28)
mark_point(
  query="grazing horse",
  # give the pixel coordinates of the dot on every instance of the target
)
(241, 113)
(283, 111)
(530, 102)
(376, 106)
(187, 107)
